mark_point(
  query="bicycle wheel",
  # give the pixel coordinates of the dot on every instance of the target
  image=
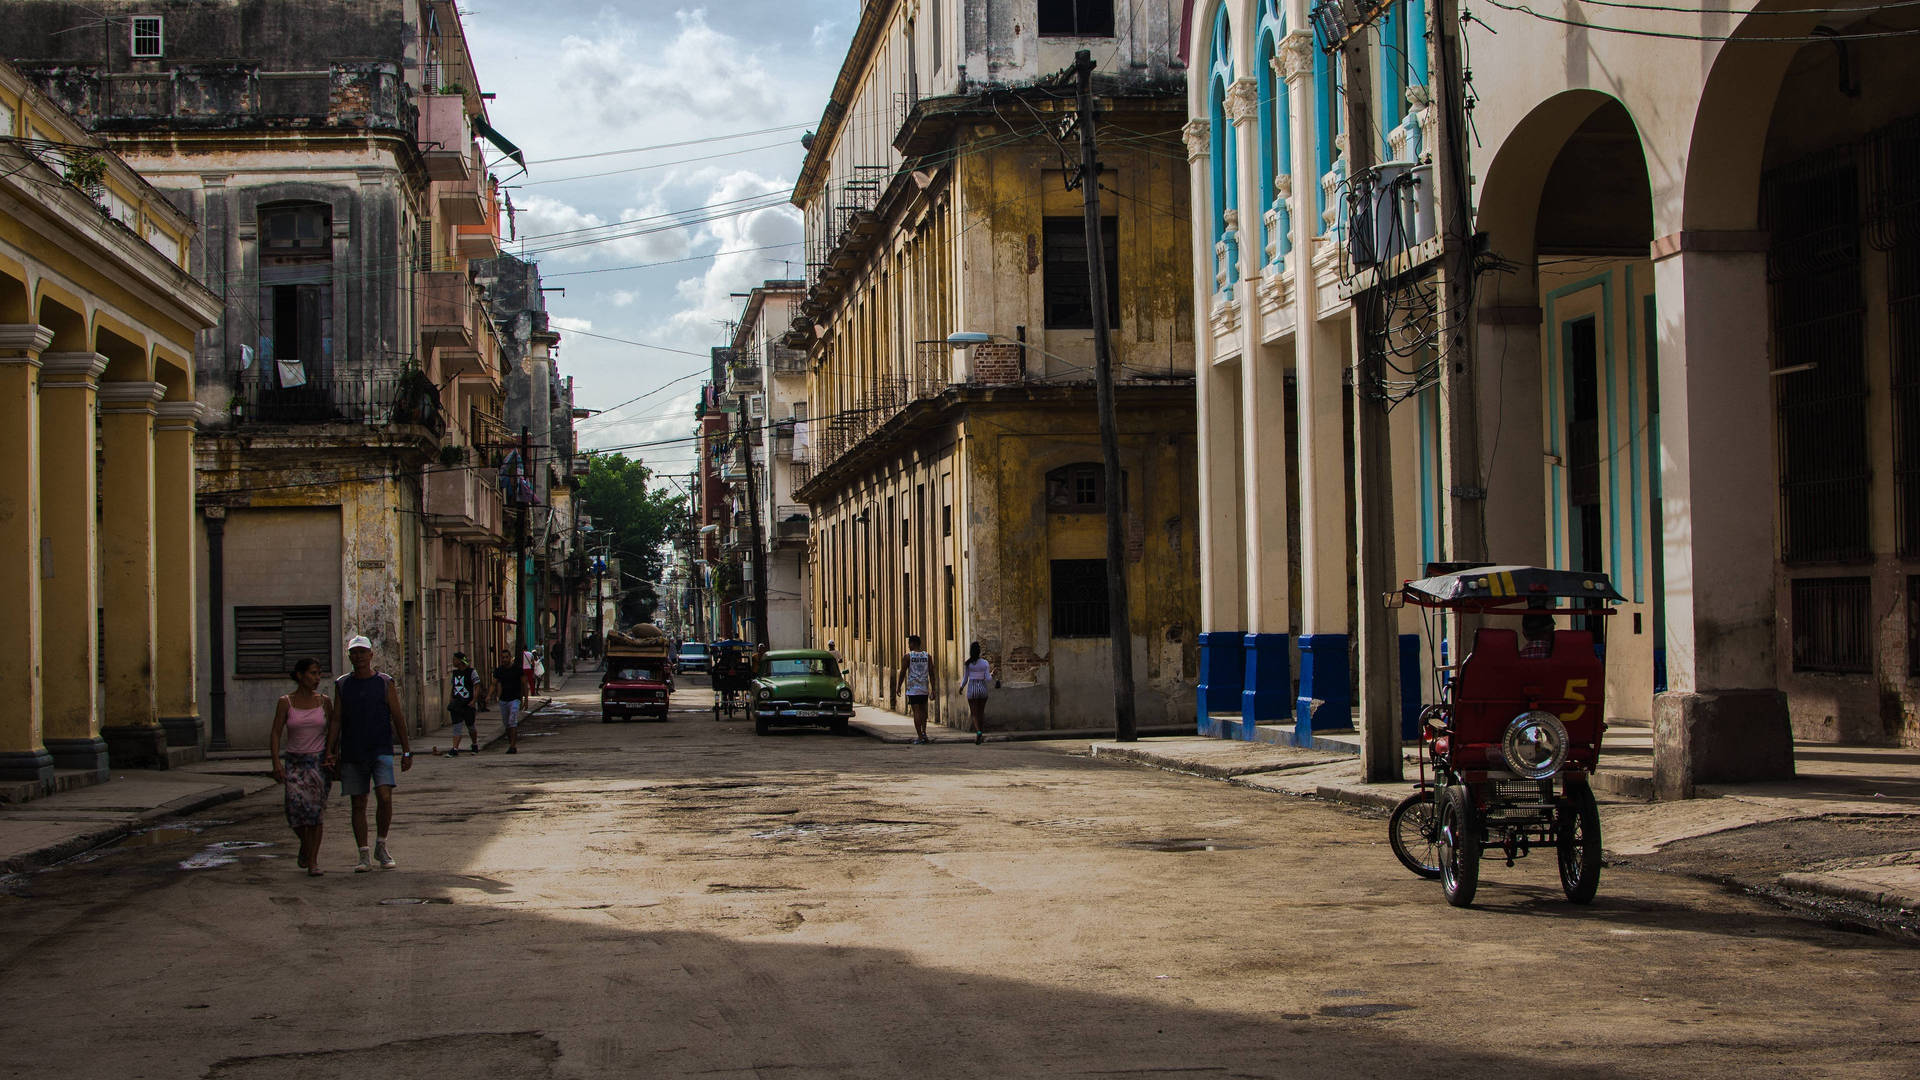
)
(1413, 830)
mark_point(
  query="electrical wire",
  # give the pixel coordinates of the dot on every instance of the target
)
(1758, 39)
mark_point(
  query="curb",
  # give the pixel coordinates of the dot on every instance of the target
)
(1370, 800)
(87, 841)
(1870, 895)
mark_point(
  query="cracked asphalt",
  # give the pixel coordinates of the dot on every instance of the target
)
(688, 899)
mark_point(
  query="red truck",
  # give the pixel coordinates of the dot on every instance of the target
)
(638, 679)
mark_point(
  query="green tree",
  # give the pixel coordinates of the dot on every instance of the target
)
(635, 521)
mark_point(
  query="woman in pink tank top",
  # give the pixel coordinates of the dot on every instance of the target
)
(302, 724)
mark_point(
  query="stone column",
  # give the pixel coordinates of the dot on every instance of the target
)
(176, 646)
(1220, 494)
(22, 755)
(1723, 719)
(70, 578)
(1267, 686)
(132, 728)
(1320, 356)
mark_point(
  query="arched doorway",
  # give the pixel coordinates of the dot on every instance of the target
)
(1569, 395)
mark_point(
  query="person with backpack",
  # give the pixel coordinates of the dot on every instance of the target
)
(463, 702)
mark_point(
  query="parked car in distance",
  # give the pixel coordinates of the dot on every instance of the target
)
(801, 686)
(692, 657)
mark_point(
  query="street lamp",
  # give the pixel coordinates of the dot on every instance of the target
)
(1119, 624)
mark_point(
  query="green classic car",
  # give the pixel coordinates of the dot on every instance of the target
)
(801, 686)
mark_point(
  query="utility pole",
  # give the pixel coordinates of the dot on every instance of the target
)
(1373, 459)
(1465, 532)
(522, 602)
(1124, 729)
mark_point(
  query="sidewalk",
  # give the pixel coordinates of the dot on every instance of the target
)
(892, 727)
(63, 824)
(1835, 785)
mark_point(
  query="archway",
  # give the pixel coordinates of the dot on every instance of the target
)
(1568, 412)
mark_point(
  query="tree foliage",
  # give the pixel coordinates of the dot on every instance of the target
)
(634, 521)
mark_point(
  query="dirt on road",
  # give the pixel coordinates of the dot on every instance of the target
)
(687, 899)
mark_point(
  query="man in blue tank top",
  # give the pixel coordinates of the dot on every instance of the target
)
(370, 722)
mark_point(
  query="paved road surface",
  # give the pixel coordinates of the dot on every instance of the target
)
(686, 899)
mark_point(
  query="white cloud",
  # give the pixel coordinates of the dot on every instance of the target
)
(632, 80)
(571, 322)
(623, 298)
(558, 230)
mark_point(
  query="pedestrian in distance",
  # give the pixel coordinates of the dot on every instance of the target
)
(370, 722)
(509, 687)
(463, 699)
(916, 674)
(303, 730)
(975, 682)
(539, 669)
(527, 683)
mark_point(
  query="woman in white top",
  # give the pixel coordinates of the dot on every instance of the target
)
(916, 671)
(976, 680)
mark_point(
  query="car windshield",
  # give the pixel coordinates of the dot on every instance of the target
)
(804, 665)
(693, 648)
(628, 673)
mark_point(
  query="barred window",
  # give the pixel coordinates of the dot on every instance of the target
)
(1080, 598)
(1832, 625)
(268, 640)
(146, 36)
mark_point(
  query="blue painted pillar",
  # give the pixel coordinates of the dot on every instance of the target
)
(1222, 667)
(1326, 693)
(1410, 683)
(1269, 682)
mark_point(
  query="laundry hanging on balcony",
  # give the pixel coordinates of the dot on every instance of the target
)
(293, 373)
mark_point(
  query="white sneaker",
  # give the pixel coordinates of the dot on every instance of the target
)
(365, 864)
(383, 857)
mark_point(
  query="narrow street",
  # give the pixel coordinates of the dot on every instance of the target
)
(686, 899)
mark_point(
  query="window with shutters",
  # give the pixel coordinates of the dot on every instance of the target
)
(1068, 298)
(269, 640)
(296, 312)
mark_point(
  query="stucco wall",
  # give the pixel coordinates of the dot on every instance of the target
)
(276, 557)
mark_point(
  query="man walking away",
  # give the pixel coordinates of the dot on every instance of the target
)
(367, 703)
(509, 686)
(916, 671)
(463, 700)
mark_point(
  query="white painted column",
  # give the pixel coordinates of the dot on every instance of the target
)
(1723, 718)
(1320, 361)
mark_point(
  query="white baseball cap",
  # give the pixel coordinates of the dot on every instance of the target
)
(358, 641)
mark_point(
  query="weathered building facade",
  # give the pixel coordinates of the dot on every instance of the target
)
(766, 528)
(959, 496)
(330, 152)
(1690, 365)
(98, 317)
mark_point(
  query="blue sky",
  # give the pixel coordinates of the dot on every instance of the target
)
(589, 78)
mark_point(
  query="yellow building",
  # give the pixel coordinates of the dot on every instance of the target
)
(959, 496)
(98, 317)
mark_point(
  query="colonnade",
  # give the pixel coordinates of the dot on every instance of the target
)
(96, 505)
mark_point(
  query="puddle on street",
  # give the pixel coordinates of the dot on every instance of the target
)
(224, 853)
(156, 837)
(1186, 843)
(1361, 1012)
(413, 901)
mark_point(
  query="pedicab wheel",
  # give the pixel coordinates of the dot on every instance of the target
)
(1577, 830)
(1459, 847)
(1414, 833)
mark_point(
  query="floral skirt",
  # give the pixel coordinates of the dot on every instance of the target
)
(306, 790)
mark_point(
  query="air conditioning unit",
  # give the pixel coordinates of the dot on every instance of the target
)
(1385, 219)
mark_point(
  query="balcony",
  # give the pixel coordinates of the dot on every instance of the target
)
(463, 503)
(454, 321)
(329, 397)
(446, 138)
(467, 201)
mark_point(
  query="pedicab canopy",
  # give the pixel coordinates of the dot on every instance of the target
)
(1514, 588)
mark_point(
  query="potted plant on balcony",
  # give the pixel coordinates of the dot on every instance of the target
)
(453, 455)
